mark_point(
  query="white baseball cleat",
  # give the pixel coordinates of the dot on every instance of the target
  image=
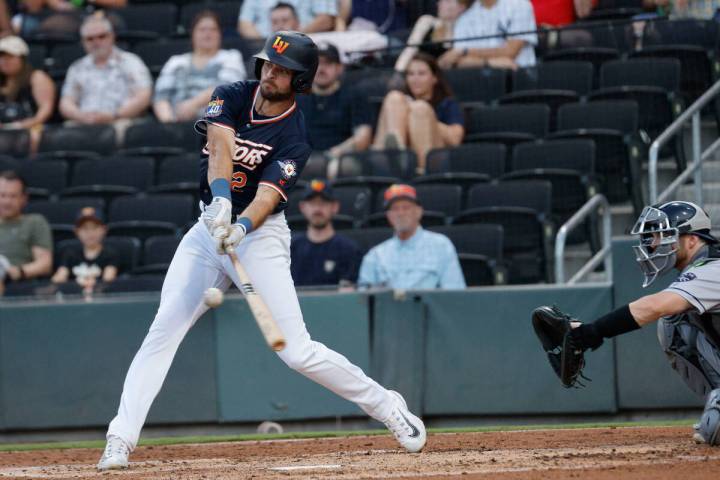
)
(115, 455)
(408, 429)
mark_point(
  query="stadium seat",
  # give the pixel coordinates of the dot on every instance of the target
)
(111, 178)
(595, 55)
(63, 211)
(63, 55)
(145, 216)
(88, 138)
(156, 53)
(161, 139)
(479, 249)
(523, 209)
(367, 238)
(464, 165)
(154, 18)
(227, 11)
(378, 163)
(574, 76)
(50, 176)
(135, 284)
(477, 85)
(15, 143)
(699, 33)
(355, 205)
(8, 162)
(136, 172)
(178, 174)
(157, 254)
(316, 167)
(652, 83)
(37, 55)
(612, 125)
(569, 166)
(507, 124)
(698, 69)
(440, 203)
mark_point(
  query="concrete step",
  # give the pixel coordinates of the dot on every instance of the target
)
(623, 218)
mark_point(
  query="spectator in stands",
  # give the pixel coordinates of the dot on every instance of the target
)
(108, 84)
(414, 258)
(381, 16)
(698, 9)
(496, 18)
(424, 116)
(314, 16)
(551, 14)
(335, 116)
(90, 262)
(283, 16)
(25, 240)
(432, 29)
(320, 256)
(186, 81)
(27, 95)
(58, 16)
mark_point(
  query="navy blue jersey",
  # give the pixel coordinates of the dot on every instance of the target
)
(271, 151)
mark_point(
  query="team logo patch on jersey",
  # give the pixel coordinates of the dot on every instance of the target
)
(686, 277)
(214, 108)
(288, 168)
(329, 266)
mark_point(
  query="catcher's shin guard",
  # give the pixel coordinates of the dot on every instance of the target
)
(708, 429)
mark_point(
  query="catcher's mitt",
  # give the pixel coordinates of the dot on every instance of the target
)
(552, 327)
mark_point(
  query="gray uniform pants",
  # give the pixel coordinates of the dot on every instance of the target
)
(690, 353)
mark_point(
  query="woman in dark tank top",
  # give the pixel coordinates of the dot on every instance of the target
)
(27, 95)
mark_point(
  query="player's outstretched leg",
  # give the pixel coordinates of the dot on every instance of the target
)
(194, 268)
(265, 254)
(707, 430)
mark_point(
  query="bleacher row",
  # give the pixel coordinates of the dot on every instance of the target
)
(539, 141)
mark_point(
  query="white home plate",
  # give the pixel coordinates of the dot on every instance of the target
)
(296, 468)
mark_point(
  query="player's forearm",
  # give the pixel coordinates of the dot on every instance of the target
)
(219, 145)
(265, 201)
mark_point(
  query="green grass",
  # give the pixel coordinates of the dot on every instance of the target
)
(333, 434)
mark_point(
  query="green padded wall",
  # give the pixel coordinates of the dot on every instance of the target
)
(483, 358)
(254, 384)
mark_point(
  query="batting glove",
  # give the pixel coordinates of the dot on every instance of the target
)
(237, 233)
(218, 214)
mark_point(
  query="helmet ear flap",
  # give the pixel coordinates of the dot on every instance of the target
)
(258, 67)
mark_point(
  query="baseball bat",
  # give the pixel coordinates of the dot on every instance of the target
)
(261, 312)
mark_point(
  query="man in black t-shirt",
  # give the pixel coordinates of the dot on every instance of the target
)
(88, 262)
(336, 120)
(320, 256)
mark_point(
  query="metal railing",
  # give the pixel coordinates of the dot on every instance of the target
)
(695, 168)
(597, 202)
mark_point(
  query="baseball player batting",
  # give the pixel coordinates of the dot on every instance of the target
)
(256, 148)
(671, 235)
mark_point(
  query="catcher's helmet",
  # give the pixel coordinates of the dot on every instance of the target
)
(292, 50)
(659, 228)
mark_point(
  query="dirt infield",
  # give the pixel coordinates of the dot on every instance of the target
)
(604, 453)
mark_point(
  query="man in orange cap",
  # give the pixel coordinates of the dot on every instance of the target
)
(413, 258)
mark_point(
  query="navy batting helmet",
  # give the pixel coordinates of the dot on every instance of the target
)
(294, 51)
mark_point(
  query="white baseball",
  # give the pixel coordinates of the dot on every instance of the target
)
(213, 297)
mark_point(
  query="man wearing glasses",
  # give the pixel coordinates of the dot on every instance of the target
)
(108, 84)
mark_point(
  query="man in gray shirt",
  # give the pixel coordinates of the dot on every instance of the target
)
(671, 235)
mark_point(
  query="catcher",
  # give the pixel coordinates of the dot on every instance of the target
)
(672, 235)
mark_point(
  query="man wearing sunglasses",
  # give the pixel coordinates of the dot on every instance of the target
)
(674, 235)
(108, 84)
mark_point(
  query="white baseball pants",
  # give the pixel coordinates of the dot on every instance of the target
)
(196, 266)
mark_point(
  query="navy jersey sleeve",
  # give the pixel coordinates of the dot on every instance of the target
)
(225, 107)
(283, 172)
(449, 112)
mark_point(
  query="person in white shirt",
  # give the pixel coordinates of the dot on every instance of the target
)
(485, 19)
(186, 81)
